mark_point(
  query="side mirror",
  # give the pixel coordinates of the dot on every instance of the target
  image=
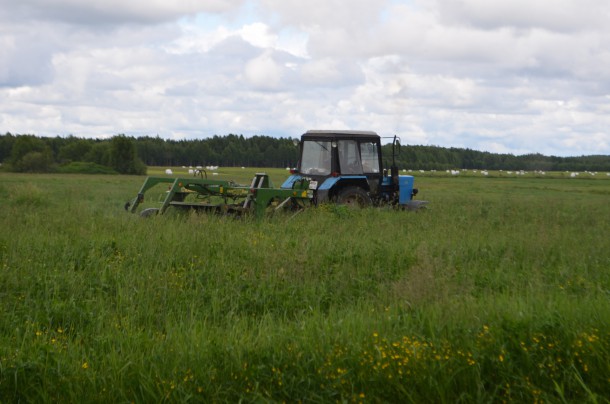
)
(295, 142)
(396, 144)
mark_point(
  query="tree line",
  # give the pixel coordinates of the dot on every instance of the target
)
(441, 158)
(129, 155)
(29, 153)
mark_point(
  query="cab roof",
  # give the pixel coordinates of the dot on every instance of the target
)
(340, 134)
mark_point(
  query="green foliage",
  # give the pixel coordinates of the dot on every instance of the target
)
(30, 154)
(80, 167)
(230, 150)
(440, 158)
(34, 162)
(74, 150)
(498, 292)
(123, 158)
(99, 153)
(6, 146)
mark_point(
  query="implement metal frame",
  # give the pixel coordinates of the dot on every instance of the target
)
(258, 198)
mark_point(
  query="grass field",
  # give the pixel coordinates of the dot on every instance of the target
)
(500, 291)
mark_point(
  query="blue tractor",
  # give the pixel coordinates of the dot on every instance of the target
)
(345, 167)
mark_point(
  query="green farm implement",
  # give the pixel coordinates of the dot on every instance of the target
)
(224, 197)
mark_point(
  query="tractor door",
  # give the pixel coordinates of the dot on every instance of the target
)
(371, 163)
(349, 158)
(360, 157)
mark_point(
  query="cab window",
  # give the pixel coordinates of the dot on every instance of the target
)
(349, 157)
(316, 157)
(370, 157)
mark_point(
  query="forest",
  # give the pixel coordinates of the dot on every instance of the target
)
(130, 155)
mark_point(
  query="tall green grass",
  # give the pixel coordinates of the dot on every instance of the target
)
(498, 292)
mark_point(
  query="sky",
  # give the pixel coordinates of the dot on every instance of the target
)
(504, 76)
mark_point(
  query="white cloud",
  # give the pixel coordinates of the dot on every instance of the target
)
(511, 76)
(263, 72)
(552, 15)
(112, 11)
(259, 35)
(329, 73)
(352, 16)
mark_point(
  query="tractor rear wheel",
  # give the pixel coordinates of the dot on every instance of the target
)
(354, 197)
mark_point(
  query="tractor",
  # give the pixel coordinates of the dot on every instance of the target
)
(342, 167)
(345, 167)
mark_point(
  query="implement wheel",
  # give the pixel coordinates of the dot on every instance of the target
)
(149, 212)
(354, 197)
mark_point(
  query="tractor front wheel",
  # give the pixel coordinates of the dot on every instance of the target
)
(354, 197)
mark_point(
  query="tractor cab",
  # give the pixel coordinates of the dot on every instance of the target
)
(345, 153)
(343, 166)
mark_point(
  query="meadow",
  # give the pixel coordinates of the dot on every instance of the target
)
(498, 292)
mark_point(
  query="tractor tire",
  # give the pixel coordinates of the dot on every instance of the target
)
(354, 197)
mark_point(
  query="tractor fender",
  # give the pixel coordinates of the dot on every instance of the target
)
(357, 180)
(288, 184)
